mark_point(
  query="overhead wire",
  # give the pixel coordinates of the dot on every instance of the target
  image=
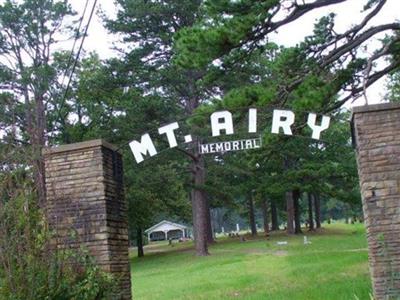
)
(77, 58)
(74, 44)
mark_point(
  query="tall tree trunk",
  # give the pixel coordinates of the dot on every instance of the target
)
(38, 142)
(210, 235)
(264, 206)
(290, 212)
(317, 203)
(194, 221)
(35, 127)
(252, 218)
(39, 175)
(139, 242)
(310, 212)
(297, 214)
(274, 216)
(200, 209)
(37, 139)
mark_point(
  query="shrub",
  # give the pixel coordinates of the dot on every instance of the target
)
(31, 269)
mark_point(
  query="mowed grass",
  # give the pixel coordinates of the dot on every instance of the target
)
(334, 266)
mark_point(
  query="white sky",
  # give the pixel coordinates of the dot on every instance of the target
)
(98, 38)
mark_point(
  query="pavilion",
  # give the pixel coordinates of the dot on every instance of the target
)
(166, 230)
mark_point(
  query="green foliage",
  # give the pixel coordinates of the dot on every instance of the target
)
(158, 93)
(317, 70)
(285, 77)
(30, 268)
(247, 96)
(28, 32)
(225, 25)
(322, 31)
(212, 43)
(109, 105)
(393, 86)
(157, 191)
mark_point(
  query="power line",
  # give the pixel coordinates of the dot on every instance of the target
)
(77, 58)
(75, 41)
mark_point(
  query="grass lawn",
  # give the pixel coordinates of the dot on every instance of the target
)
(334, 266)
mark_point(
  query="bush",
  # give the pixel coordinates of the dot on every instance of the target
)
(31, 269)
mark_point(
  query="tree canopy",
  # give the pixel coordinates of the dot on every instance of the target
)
(183, 60)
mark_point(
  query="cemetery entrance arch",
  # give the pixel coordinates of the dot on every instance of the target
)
(85, 193)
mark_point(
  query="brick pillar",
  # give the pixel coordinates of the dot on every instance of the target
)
(85, 197)
(376, 130)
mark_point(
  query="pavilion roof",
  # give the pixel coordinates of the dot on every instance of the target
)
(152, 228)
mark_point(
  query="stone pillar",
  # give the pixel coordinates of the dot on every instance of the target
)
(86, 207)
(376, 135)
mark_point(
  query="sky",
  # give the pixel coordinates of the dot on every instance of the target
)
(98, 39)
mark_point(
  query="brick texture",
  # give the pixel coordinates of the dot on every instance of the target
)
(377, 137)
(86, 207)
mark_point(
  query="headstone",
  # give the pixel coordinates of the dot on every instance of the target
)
(376, 130)
(85, 198)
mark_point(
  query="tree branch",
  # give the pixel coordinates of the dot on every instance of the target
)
(337, 53)
(192, 156)
(371, 80)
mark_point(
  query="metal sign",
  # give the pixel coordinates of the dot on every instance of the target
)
(222, 123)
(222, 147)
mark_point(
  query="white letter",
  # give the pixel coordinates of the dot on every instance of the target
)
(253, 120)
(249, 144)
(277, 121)
(315, 128)
(212, 148)
(203, 149)
(145, 145)
(219, 147)
(169, 130)
(226, 125)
